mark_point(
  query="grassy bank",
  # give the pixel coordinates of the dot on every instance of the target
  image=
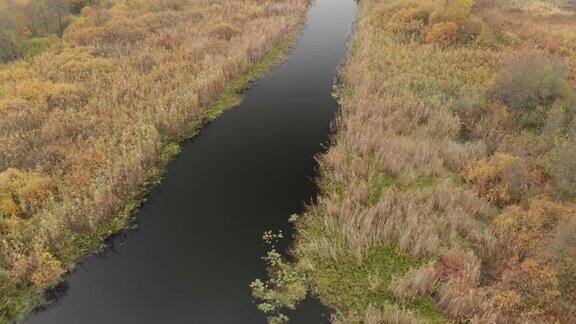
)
(448, 193)
(88, 126)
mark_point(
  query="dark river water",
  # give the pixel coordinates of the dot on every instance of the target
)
(198, 243)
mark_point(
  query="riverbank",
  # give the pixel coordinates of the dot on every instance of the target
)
(446, 192)
(66, 207)
(230, 97)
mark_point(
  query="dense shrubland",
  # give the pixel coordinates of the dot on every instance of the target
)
(448, 191)
(86, 121)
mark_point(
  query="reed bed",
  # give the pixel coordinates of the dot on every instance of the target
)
(448, 190)
(90, 120)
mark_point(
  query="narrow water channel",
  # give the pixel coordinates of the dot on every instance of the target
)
(198, 242)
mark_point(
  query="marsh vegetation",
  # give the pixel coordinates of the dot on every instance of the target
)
(448, 190)
(93, 96)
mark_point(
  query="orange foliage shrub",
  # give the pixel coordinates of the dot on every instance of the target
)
(520, 259)
(522, 230)
(487, 175)
(442, 22)
(534, 286)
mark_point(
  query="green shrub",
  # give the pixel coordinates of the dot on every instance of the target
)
(34, 46)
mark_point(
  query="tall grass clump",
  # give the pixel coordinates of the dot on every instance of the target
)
(454, 154)
(88, 119)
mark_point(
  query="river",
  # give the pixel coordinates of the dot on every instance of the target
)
(198, 242)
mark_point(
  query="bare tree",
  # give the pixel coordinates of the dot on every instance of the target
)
(10, 48)
(59, 11)
(97, 11)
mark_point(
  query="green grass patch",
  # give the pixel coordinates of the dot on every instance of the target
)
(348, 284)
(423, 183)
(17, 301)
(37, 45)
(330, 186)
(384, 180)
(379, 184)
(167, 151)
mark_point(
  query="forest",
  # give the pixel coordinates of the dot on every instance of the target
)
(448, 192)
(94, 97)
